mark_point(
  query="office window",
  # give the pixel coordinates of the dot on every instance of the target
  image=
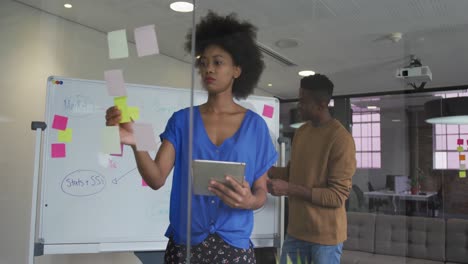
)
(366, 134)
(445, 145)
(445, 137)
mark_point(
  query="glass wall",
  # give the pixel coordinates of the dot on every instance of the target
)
(66, 66)
(421, 181)
(377, 179)
(429, 154)
(405, 201)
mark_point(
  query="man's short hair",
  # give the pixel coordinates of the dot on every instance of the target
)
(319, 86)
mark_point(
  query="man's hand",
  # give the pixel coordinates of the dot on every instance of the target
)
(270, 172)
(233, 193)
(277, 187)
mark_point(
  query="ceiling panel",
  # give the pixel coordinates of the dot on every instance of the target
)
(342, 38)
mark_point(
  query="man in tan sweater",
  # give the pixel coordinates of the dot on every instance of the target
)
(317, 179)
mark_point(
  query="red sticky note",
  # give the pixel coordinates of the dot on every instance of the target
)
(462, 157)
(58, 150)
(460, 141)
(268, 111)
(60, 122)
(121, 151)
(143, 183)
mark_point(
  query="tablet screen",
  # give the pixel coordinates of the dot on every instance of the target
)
(204, 171)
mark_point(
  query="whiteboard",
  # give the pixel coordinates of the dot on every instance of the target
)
(95, 202)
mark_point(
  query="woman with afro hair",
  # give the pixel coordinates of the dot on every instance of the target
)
(230, 65)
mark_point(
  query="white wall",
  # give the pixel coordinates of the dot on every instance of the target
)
(33, 46)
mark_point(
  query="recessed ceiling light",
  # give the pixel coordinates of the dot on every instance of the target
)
(270, 85)
(396, 120)
(182, 6)
(371, 107)
(306, 73)
(67, 5)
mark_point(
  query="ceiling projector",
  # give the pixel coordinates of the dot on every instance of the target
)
(414, 74)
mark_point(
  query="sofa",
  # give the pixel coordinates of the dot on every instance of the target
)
(379, 238)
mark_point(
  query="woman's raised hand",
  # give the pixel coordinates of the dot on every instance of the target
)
(113, 117)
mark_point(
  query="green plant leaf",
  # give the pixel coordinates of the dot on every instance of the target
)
(299, 257)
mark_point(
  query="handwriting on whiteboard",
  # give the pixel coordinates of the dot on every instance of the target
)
(79, 105)
(83, 183)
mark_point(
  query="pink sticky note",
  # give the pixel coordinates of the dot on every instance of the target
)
(115, 83)
(146, 41)
(268, 111)
(121, 151)
(58, 150)
(60, 122)
(460, 141)
(143, 183)
(144, 137)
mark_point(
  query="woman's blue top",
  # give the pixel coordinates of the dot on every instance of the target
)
(251, 144)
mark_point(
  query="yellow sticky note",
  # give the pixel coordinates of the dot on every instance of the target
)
(121, 103)
(460, 149)
(65, 135)
(118, 46)
(110, 140)
(462, 174)
(134, 112)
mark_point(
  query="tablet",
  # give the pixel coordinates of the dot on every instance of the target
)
(205, 170)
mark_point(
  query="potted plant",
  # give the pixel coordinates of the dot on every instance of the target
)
(415, 181)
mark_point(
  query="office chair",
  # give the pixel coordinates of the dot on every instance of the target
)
(359, 195)
(437, 203)
(374, 203)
